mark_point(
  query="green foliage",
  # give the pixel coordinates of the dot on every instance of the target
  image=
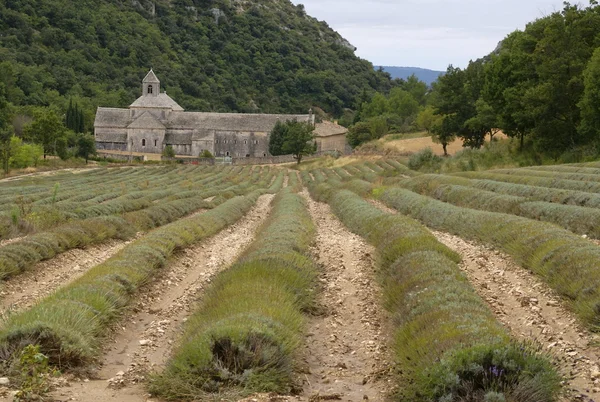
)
(24, 155)
(47, 130)
(248, 328)
(68, 324)
(541, 84)
(424, 159)
(359, 133)
(292, 137)
(86, 146)
(74, 118)
(445, 336)
(35, 375)
(168, 152)
(427, 119)
(254, 58)
(590, 118)
(564, 260)
(206, 154)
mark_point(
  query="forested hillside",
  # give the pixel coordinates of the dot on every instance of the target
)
(541, 86)
(222, 55)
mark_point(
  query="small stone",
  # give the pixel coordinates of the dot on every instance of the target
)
(4, 381)
(120, 374)
(145, 342)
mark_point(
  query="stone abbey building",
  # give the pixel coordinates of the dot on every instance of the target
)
(155, 121)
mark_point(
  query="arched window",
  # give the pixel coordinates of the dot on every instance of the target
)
(227, 154)
(245, 141)
(149, 89)
(144, 142)
(155, 142)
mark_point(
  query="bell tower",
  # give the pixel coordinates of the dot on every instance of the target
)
(150, 85)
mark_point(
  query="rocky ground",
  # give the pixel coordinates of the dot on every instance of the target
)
(345, 352)
(143, 339)
(532, 312)
(45, 277)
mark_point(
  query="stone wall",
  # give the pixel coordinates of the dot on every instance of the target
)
(240, 144)
(111, 146)
(331, 143)
(148, 141)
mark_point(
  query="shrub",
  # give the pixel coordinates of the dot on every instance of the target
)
(444, 333)
(248, 328)
(425, 159)
(68, 324)
(565, 261)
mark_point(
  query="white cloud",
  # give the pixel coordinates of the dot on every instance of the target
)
(427, 33)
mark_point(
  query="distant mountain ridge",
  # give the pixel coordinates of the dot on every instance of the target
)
(425, 75)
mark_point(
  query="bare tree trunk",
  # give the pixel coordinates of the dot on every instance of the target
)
(444, 145)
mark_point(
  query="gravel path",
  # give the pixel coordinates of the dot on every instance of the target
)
(22, 291)
(346, 348)
(531, 311)
(144, 337)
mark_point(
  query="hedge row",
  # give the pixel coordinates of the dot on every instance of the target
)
(68, 325)
(246, 333)
(580, 220)
(568, 263)
(555, 174)
(535, 181)
(85, 202)
(447, 344)
(21, 255)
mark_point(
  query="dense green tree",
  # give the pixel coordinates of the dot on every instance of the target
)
(590, 102)
(299, 140)
(427, 118)
(24, 155)
(74, 119)
(359, 133)
(6, 130)
(417, 88)
(86, 146)
(444, 132)
(277, 137)
(47, 130)
(6, 151)
(296, 138)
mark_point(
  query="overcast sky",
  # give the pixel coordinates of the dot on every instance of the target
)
(427, 33)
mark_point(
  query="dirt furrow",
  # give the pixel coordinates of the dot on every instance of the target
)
(24, 290)
(143, 341)
(532, 311)
(346, 348)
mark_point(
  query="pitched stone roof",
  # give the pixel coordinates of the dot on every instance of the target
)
(151, 78)
(112, 117)
(111, 137)
(231, 121)
(178, 138)
(329, 129)
(147, 121)
(162, 101)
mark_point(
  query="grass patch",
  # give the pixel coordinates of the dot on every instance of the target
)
(565, 261)
(445, 336)
(248, 328)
